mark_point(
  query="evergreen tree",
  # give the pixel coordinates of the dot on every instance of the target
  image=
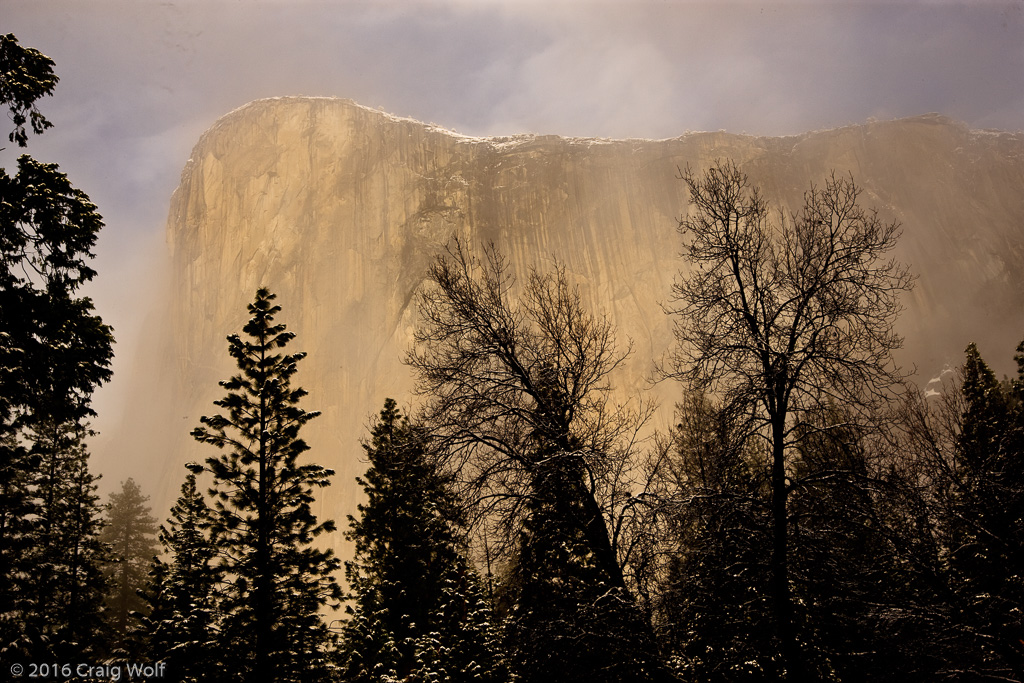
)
(970, 551)
(17, 510)
(130, 532)
(572, 617)
(713, 614)
(184, 615)
(849, 571)
(985, 515)
(463, 642)
(418, 613)
(53, 350)
(68, 585)
(262, 524)
(567, 621)
(856, 579)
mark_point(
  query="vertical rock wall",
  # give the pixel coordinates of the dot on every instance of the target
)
(340, 209)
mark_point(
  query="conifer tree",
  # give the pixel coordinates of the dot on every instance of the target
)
(262, 524)
(53, 350)
(17, 508)
(850, 570)
(780, 318)
(464, 641)
(568, 622)
(131, 532)
(968, 443)
(712, 613)
(68, 585)
(182, 594)
(418, 613)
(985, 514)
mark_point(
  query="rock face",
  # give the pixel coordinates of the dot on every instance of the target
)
(339, 209)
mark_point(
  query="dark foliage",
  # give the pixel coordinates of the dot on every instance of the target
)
(780, 321)
(982, 498)
(713, 614)
(184, 618)
(518, 393)
(66, 585)
(262, 524)
(27, 75)
(53, 353)
(130, 532)
(418, 612)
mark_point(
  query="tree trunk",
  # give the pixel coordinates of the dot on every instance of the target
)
(264, 668)
(782, 600)
(595, 530)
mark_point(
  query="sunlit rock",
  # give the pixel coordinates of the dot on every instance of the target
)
(339, 209)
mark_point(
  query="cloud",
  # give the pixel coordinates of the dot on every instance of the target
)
(613, 95)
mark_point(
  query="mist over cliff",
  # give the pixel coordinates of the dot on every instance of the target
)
(339, 209)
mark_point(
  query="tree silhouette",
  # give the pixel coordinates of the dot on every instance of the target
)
(518, 393)
(67, 556)
(984, 520)
(53, 350)
(418, 611)
(184, 611)
(262, 524)
(778, 320)
(131, 533)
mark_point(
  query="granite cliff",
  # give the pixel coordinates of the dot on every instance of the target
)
(339, 209)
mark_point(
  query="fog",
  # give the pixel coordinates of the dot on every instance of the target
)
(141, 80)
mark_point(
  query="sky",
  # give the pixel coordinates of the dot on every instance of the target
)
(140, 80)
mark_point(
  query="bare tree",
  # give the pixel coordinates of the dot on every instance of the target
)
(780, 318)
(518, 388)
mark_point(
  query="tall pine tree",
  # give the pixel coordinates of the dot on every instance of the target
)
(418, 612)
(712, 612)
(518, 391)
(53, 350)
(262, 523)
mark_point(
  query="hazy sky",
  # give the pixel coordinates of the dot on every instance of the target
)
(142, 79)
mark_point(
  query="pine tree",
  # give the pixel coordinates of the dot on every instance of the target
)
(418, 611)
(53, 350)
(779, 318)
(463, 642)
(849, 571)
(564, 620)
(17, 511)
(713, 613)
(67, 558)
(518, 389)
(130, 532)
(183, 620)
(262, 525)
(985, 520)
(572, 617)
